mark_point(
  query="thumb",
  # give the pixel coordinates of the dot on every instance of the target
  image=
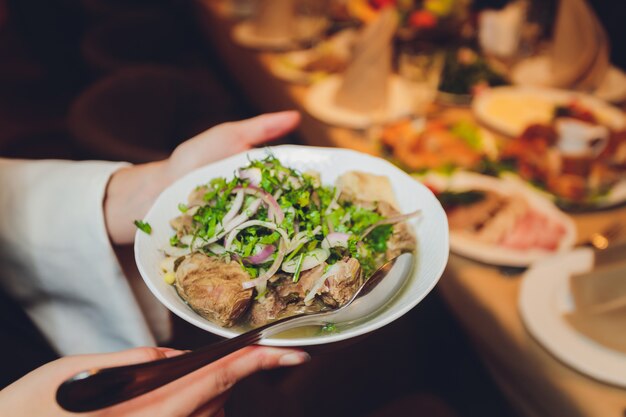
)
(263, 128)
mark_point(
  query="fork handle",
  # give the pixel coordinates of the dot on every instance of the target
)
(100, 388)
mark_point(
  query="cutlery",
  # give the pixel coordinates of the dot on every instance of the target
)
(94, 389)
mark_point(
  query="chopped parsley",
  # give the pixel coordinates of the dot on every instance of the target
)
(143, 226)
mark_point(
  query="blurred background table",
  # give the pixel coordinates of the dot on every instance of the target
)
(484, 300)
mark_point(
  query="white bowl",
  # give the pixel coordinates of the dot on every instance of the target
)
(431, 230)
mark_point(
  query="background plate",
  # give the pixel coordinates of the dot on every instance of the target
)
(544, 297)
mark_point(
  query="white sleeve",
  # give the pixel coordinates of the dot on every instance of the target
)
(57, 260)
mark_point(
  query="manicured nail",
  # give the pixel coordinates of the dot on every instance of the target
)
(291, 359)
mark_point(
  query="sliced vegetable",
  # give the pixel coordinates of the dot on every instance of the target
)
(310, 260)
(391, 220)
(277, 214)
(262, 255)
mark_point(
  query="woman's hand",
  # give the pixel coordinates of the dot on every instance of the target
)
(201, 393)
(131, 191)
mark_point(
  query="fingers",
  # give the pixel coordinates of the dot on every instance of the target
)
(202, 386)
(75, 364)
(213, 408)
(263, 128)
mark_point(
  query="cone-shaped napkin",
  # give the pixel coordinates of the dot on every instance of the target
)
(599, 287)
(604, 324)
(274, 19)
(580, 51)
(365, 82)
(600, 302)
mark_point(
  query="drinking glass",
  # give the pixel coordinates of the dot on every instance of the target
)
(421, 70)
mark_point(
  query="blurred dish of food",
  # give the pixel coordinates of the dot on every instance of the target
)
(328, 57)
(510, 110)
(419, 145)
(575, 157)
(499, 222)
(466, 73)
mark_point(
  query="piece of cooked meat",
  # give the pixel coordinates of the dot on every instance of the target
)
(300, 289)
(183, 224)
(402, 238)
(360, 186)
(267, 309)
(342, 283)
(213, 288)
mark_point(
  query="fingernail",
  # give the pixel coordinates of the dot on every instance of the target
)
(172, 353)
(291, 359)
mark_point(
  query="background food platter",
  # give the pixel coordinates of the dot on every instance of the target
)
(510, 110)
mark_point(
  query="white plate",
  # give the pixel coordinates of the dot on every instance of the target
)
(431, 230)
(536, 72)
(289, 66)
(320, 102)
(511, 109)
(545, 297)
(492, 254)
(243, 33)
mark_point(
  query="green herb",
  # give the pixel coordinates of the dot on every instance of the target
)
(182, 207)
(329, 328)
(296, 275)
(143, 226)
(469, 132)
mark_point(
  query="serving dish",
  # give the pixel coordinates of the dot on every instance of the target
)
(510, 110)
(516, 246)
(545, 297)
(431, 231)
(320, 102)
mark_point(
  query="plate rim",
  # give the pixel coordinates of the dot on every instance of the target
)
(537, 290)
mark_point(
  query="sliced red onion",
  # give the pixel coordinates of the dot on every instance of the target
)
(242, 217)
(233, 234)
(275, 212)
(311, 260)
(391, 220)
(301, 238)
(234, 208)
(270, 272)
(262, 255)
(253, 175)
(336, 239)
(238, 220)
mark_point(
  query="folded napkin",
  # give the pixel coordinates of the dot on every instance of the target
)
(600, 305)
(365, 82)
(499, 31)
(579, 57)
(275, 19)
(605, 325)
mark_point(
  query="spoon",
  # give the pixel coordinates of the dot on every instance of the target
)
(94, 389)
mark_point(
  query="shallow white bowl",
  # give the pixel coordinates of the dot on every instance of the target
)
(431, 230)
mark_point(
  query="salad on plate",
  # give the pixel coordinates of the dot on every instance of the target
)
(273, 242)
